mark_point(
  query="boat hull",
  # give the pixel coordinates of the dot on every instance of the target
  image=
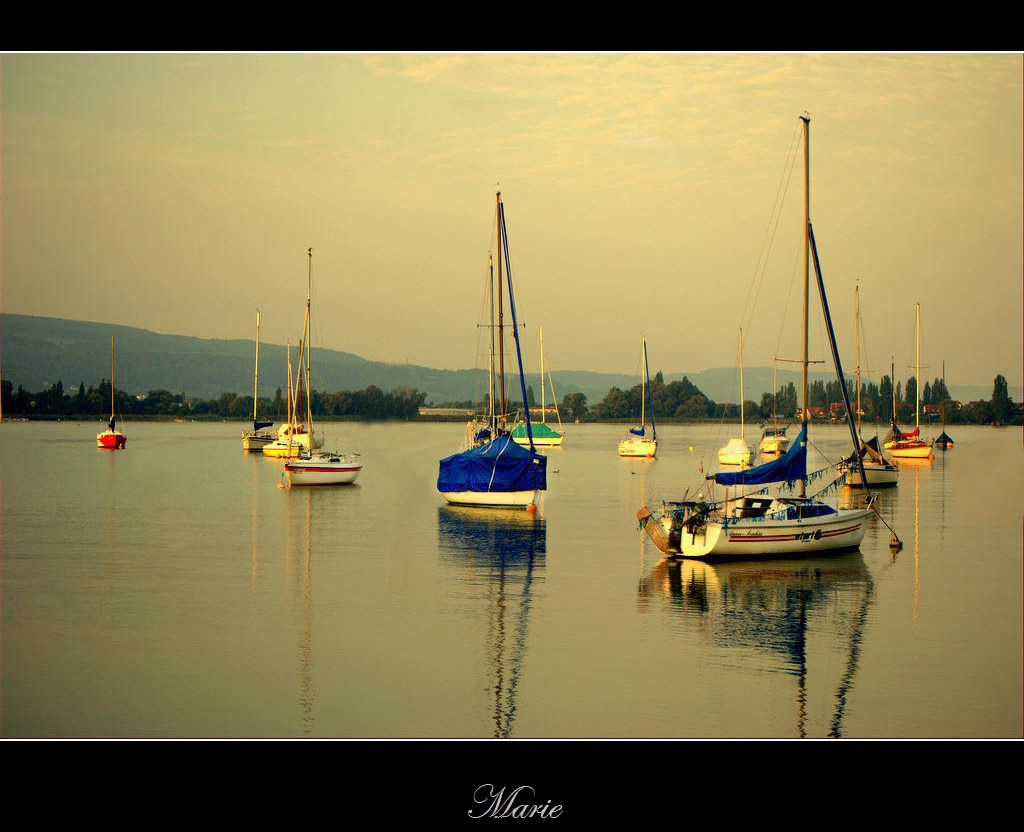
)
(774, 447)
(256, 441)
(290, 448)
(737, 452)
(492, 499)
(752, 539)
(111, 440)
(878, 476)
(638, 447)
(328, 469)
(910, 450)
(539, 442)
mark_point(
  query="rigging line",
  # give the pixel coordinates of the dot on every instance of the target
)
(774, 218)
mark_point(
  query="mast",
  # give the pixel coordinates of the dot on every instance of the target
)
(111, 382)
(647, 374)
(256, 375)
(743, 434)
(643, 382)
(942, 397)
(775, 393)
(917, 373)
(501, 316)
(802, 489)
(291, 395)
(543, 409)
(503, 240)
(309, 383)
(111, 378)
(856, 318)
(892, 370)
(490, 381)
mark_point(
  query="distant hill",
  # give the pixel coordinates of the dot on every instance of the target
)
(36, 352)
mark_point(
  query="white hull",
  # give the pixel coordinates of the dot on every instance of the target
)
(291, 447)
(761, 537)
(910, 450)
(546, 442)
(324, 469)
(492, 499)
(256, 441)
(877, 475)
(737, 452)
(638, 447)
(774, 446)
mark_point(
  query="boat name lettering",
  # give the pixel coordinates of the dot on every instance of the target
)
(498, 805)
(815, 535)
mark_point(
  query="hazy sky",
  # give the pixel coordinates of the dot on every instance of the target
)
(179, 192)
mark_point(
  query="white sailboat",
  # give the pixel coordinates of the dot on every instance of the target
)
(111, 439)
(910, 445)
(773, 438)
(638, 443)
(258, 437)
(738, 452)
(297, 434)
(544, 436)
(492, 470)
(764, 525)
(311, 466)
(944, 442)
(877, 470)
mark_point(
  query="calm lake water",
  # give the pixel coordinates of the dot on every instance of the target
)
(174, 590)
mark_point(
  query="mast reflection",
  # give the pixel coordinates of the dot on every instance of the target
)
(775, 609)
(501, 552)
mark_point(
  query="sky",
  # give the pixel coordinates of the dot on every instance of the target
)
(646, 194)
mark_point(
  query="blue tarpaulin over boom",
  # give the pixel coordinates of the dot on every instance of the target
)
(501, 465)
(792, 465)
(637, 431)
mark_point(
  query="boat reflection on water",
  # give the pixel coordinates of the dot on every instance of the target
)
(808, 613)
(500, 552)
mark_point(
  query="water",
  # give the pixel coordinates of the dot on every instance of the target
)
(174, 590)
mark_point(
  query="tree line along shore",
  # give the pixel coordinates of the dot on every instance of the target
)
(676, 402)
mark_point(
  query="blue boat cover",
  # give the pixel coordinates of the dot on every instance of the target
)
(500, 465)
(792, 465)
(637, 431)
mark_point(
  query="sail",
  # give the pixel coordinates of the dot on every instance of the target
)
(258, 425)
(637, 431)
(791, 466)
(501, 465)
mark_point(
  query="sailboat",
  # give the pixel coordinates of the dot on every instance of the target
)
(297, 434)
(758, 525)
(738, 452)
(943, 442)
(638, 443)
(311, 466)
(255, 439)
(773, 438)
(111, 439)
(910, 445)
(494, 471)
(878, 471)
(544, 436)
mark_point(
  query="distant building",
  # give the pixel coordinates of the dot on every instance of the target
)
(446, 411)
